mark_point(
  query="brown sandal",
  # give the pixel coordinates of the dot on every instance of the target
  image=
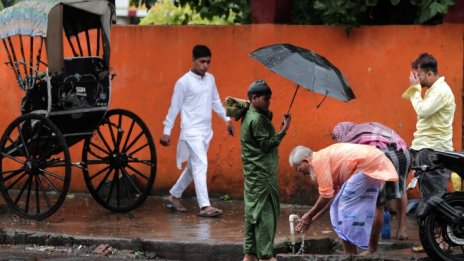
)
(175, 204)
(210, 212)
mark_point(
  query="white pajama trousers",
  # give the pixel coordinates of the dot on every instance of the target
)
(195, 171)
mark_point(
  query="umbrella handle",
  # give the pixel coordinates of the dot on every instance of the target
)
(294, 95)
(319, 105)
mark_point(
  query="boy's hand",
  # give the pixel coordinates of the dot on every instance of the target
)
(286, 122)
(230, 128)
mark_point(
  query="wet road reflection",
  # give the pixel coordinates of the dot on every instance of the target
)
(80, 215)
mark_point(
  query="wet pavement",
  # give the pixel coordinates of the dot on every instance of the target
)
(153, 227)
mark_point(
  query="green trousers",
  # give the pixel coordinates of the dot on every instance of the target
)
(259, 237)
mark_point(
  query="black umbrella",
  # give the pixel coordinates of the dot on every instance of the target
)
(306, 68)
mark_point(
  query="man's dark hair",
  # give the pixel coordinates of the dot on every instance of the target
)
(200, 51)
(426, 62)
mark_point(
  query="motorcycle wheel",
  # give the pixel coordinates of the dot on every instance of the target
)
(442, 239)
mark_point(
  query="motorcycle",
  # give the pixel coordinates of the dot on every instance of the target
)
(441, 215)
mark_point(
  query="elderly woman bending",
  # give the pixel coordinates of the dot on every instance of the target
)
(349, 177)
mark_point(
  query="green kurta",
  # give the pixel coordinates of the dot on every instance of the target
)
(260, 159)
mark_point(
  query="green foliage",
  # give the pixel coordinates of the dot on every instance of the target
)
(164, 12)
(342, 12)
(351, 13)
(430, 8)
(225, 197)
(6, 3)
(346, 13)
(209, 9)
(217, 12)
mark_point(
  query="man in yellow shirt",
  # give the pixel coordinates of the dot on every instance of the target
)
(434, 128)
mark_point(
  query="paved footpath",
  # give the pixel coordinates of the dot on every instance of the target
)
(152, 230)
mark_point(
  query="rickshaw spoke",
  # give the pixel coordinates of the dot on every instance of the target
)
(113, 139)
(128, 135)
(51, 174)
(130, 180)
(104, 141)
(50, 183)
(127, 189)
(137, 160)
(37, 200)
(98, 147)
(131, 201)
(28, 197)
(47, 154)
(24, 142)
(137, 150)
(16, 145)
(137, 171)
(111, 188)
(12, 158)
(96, 162)
(118, 191)
(37, 140)
(146, 162)
(133, 142)
(16, 181)
(13, 173)
(102, 182)
(100, 172)
(22, 190)
(42, 189)
(119, 131)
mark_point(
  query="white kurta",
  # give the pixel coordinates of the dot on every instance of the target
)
(194, 97)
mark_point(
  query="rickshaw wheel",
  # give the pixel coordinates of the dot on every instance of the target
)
(35, 167)
(119, 161)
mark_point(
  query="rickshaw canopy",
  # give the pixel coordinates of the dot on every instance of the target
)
(48, 19)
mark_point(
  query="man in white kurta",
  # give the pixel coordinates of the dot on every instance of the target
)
(195, 96)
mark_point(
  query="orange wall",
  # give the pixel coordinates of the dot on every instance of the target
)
(375, 60)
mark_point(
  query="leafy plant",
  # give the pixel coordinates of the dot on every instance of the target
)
(164, 12)
(352, 13)
(346, 13)
(200, 11)
(430, 8)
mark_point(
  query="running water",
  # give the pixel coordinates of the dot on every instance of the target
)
(292, 218)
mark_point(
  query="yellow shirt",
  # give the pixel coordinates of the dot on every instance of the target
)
(435, 114)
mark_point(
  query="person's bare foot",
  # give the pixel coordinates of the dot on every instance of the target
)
(401, 235)
(248, 257)
(365, 253)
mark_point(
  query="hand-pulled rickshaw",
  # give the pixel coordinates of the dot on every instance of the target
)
(59, 52)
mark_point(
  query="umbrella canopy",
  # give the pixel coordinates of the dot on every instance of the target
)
(306, 68)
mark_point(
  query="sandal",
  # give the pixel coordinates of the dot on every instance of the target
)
(418, 249)
(210, 212)
(175, 204)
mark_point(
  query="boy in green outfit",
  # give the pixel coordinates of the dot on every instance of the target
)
(260, 159)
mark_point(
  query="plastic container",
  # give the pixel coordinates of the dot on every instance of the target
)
(386, 225)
